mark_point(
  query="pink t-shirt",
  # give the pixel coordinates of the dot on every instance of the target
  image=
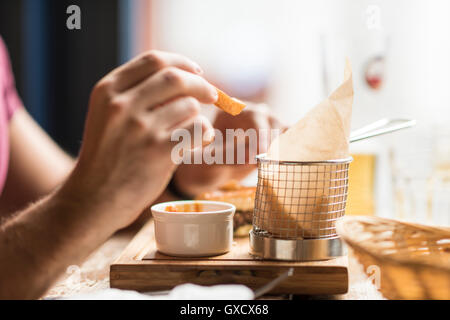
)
(9, 102)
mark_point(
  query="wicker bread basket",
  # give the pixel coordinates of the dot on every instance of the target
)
(413, 260)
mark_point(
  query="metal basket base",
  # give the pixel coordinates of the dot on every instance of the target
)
(266, 247)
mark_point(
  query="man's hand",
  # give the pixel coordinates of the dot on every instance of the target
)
(123, 166)
(193, 179)
(125, 160)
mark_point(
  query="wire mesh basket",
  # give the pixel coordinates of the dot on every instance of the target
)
(300, 200)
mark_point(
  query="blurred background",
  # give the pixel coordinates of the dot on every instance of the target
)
(288, 54)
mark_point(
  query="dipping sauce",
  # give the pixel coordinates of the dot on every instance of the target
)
(187, 207)
(193, 228)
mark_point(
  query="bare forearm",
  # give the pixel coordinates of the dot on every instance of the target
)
(41, 242)
(36, 167)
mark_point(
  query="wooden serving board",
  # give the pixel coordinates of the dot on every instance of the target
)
(141, 267)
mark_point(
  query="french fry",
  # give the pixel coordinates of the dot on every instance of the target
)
(228, 104)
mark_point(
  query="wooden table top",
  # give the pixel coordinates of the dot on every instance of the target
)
(93, 274)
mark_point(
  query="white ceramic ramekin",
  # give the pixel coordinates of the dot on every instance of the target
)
(194, 234)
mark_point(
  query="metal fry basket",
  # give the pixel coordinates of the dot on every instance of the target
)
(297, 205)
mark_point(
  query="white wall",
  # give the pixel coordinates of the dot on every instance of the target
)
(281, 40)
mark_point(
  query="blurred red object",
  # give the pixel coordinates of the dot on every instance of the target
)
(374, 73)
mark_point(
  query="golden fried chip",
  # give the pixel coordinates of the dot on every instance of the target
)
(228, 104)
